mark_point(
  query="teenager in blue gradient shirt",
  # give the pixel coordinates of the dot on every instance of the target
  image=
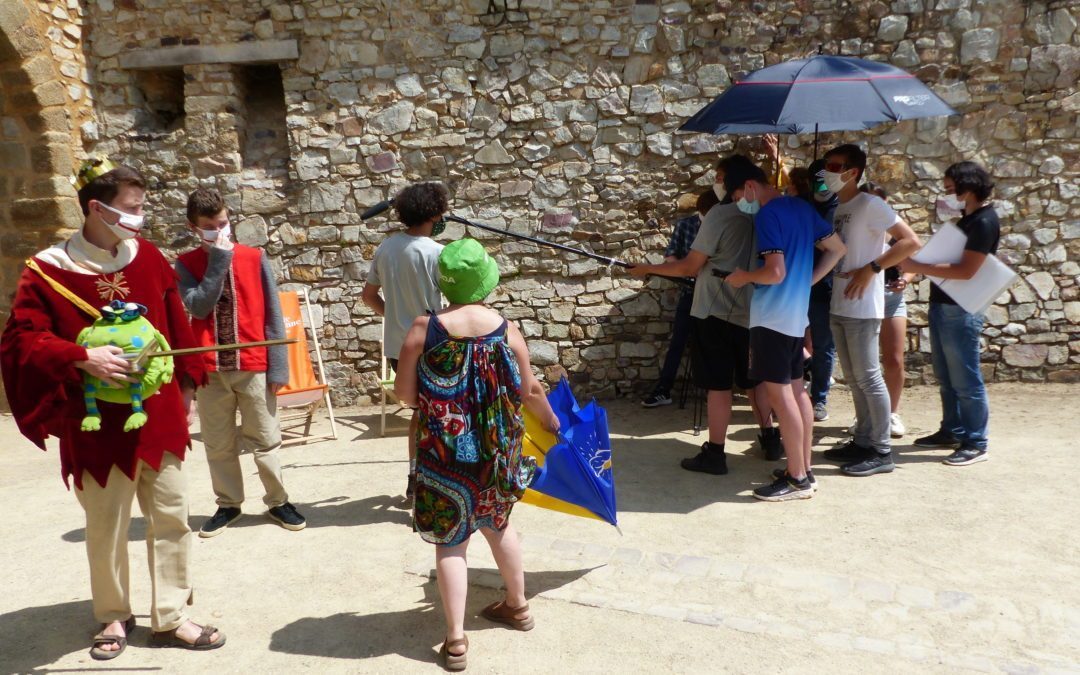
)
(788, 229)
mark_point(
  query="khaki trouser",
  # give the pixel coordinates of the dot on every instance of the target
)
(162, 498)
(259, 432)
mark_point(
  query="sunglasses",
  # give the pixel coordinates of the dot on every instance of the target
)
(836, 167)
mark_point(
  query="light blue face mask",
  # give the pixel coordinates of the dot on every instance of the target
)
(749, 208)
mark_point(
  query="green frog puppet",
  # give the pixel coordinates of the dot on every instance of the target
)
(124, 325)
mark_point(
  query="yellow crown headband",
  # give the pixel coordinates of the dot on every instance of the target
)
(91, 169)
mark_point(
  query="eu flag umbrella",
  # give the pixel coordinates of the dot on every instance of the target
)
(819, 93)
(574, 467)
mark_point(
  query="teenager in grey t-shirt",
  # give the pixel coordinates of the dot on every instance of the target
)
(406, 267)
(727, 238)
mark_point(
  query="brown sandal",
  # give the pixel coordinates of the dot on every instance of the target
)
(499, 612)
(169, 638)
(453, 661)
(103, 638)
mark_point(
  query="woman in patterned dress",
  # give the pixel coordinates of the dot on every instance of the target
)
(467, 370)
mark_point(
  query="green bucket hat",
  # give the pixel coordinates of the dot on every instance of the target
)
(466, 272)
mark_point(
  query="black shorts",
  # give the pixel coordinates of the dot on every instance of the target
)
(775, 357)
(393, 365)
(720, 354)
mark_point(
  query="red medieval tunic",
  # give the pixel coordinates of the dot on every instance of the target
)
(44, 388)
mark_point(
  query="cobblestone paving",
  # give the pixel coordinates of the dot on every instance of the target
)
(863, 614)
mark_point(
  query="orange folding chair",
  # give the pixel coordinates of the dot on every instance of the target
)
(304, 392)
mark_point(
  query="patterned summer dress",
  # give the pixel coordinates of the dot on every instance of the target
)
(470, 469)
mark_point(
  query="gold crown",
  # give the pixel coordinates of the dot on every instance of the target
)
(91, 169)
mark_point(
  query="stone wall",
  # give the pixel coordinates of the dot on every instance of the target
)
(558, 118)
(44, 108)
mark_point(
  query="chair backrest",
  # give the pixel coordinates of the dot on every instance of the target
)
(301, 374)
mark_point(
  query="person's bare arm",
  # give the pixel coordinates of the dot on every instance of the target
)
(532, 392)
(906, 243)
(405, 378)
(772, 271)
(370, 296)
(833, 250)
(690, 266)
(965, 269)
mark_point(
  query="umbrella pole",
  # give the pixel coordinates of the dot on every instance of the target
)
(815, 142)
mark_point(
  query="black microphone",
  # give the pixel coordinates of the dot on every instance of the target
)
(377, 209)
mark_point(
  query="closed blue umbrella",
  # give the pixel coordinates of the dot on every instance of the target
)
(819, 93)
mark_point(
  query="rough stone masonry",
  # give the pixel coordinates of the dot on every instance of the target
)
(557, 118)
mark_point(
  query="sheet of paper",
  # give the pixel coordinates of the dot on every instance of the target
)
(976, 294)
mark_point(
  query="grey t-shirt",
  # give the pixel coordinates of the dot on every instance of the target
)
(407, 269)
(727, 237)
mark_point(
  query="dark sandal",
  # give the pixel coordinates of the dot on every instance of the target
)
(169, 638)
(101, 639)
(500, 613)
(453, 661)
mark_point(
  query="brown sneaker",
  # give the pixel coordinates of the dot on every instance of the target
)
(517, 618)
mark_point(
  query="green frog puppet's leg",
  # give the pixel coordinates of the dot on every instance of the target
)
(92, 421)
(138, 416)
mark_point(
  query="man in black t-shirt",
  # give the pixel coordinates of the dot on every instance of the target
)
(954, 333)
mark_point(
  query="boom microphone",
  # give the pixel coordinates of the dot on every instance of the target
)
(376, 210)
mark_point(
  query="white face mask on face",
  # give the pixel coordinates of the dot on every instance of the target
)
(833, 181)
(128, 224)
(212, 236)
(954, 202)
(718, 190)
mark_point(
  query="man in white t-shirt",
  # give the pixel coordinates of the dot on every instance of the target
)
(405, 269)
(865, 223)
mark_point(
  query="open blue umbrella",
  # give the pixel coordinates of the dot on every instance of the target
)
(819, 93)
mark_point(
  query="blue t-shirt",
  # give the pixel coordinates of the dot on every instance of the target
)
(790, 226)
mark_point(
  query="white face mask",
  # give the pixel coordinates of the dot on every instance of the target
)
(833, 181)
(211, 236)
(718, 190)
(127, 226)
(954, 202)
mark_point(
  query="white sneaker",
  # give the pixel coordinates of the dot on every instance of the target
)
(896, 426)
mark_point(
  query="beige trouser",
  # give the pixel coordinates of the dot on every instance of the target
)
(162, 498)
(259, 432)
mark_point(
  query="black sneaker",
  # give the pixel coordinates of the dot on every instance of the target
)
(771, 444)
(965, 456)
(711, 459)
(288, 517)
(780, 473)
(879, 463)
(849, 452)
(410, 487)
(938, 439)
(785, 489)
(217, 523)
(657, 399)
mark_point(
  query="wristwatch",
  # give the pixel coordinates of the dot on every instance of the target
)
(874, 266)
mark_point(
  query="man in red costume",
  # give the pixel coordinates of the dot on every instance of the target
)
(43, 369)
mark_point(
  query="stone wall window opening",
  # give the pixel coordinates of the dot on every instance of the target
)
(264, 142)
(162, 93)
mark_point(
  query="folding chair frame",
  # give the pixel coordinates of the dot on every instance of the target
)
(307, 412)
(384, 383)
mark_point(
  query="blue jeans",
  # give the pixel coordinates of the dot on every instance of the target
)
(821, 363)
(680, 332)
(954, 344)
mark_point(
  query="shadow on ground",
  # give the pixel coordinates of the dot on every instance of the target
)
(414, 633)
(37, 636)
(332, 512)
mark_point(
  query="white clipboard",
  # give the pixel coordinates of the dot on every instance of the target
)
(976, 294)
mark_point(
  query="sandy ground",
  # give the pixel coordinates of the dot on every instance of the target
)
(928, 569)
